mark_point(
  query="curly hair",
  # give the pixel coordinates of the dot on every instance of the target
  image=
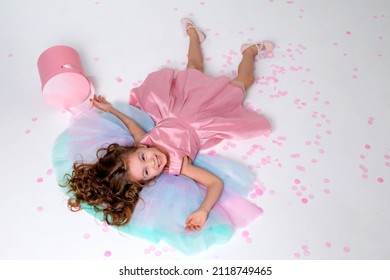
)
(105, 185)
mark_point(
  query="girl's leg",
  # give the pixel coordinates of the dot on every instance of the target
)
(195, 56)
(245, 77)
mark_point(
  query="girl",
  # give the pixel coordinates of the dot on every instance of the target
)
(189, 112)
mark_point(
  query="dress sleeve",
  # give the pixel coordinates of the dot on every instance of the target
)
(133, 100)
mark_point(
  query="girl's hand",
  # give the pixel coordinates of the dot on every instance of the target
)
(196, 220)
(101, 103)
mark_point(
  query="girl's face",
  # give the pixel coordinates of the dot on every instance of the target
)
(146, 163)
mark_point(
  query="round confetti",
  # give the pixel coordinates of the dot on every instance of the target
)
(86, 236)
(300, 168)
(107, 254)
(260, 192)
(327, 191)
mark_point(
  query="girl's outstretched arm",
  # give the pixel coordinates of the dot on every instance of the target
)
(102, 104)
(214, 189)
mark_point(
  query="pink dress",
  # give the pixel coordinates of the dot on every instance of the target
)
(192, 112)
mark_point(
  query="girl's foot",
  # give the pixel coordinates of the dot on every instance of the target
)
(188, 25)
(256, 48)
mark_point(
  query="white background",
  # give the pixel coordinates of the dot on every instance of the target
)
(323, 173)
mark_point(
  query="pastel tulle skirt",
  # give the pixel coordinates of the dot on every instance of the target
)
(165, 205)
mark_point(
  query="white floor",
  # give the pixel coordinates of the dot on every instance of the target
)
(324, 172)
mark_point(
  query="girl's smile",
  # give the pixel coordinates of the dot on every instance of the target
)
(145, 164)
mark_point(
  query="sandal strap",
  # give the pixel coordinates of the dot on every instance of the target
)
(191, 26)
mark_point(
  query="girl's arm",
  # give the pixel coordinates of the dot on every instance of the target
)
(214, 189)
(102, 104)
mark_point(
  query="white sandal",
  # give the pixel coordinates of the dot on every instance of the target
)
(187, 23)
(267, 46)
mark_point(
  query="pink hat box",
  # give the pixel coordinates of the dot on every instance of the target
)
(64, 84)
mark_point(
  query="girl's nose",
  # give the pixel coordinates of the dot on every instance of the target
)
(151, 163)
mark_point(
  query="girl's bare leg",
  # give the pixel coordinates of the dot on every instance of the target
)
(195, 56)
(245, 76)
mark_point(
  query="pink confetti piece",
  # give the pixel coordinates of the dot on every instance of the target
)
(326, 181)
(157, 253)
(300, 168)
(86, 236)
(107, 254)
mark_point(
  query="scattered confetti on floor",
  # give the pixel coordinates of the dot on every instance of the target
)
(322, 174)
